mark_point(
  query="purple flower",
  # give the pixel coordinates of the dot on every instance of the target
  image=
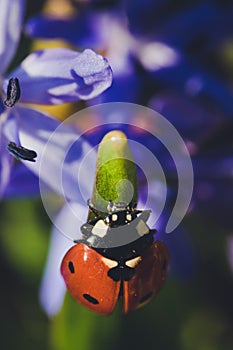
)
(169, 57)
(153, 46)
(208, 137)
(52, 76)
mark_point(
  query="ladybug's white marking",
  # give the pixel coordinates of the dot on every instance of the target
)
(133, 262)
(142, 228)
(129, 217)
(100, 229)
(109, 262)
(114, 217)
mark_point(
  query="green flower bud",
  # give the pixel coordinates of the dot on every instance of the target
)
(116, 176)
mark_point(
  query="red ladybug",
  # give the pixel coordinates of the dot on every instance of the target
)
(98, 271)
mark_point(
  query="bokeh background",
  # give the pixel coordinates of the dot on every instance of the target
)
(194, 310)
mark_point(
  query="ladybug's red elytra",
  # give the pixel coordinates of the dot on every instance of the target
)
(98, 272)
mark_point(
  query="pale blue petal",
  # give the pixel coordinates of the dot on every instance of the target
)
(53, 288)
(6, 162)
(71, 217)
(58, 161)
(11, 17)
(10, 128)
(60, 75)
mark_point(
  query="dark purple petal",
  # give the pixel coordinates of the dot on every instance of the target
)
(60, 75)
(181, 28)
(192, 121)
(125, 88)
(175, 26)
(11, 17)
(81, 30)
(23, 183)
(196, 83)
(143, 16)
(90, 27)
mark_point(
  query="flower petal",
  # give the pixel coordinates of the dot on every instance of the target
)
(11, 17)
(53, 287)
(5, 164)
(82, 30)
(60, 152)
(196, 83)
(60, 75)
(10, 127)
(23, 183)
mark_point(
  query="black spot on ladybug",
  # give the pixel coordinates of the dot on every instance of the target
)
(13, 92)
(145, 298)
(91, 299)
(71, 267)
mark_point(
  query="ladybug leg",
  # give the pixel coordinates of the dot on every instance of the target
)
(153, 231)
(88, 237)
(86, 230)
(136, 211)
(92, 241)
(80, 241)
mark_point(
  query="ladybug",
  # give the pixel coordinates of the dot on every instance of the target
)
(98, 270)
